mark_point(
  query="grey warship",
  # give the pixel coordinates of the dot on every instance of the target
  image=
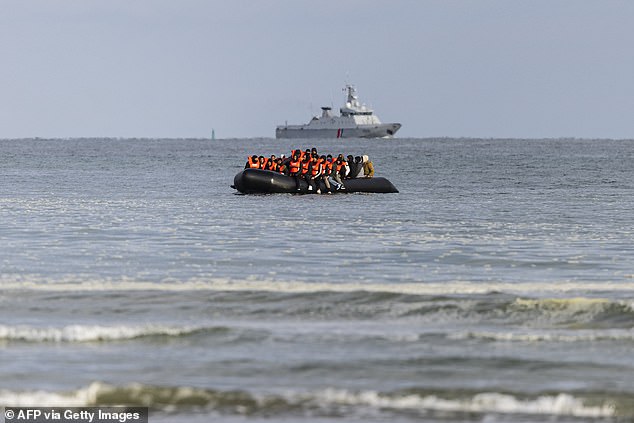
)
(356, 120)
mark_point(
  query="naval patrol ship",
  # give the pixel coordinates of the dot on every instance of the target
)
(355, 121)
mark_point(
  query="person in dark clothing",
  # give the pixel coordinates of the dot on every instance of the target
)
(282, 166)
(354, 169)
(305, 172)
(358, 162)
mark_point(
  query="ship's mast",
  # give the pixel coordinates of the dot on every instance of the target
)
(352, 94)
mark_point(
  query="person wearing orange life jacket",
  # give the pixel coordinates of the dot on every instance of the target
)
(305, 165)
(340, 171)
(313, 173)
(305, 169)
(282, 167)
(328, 166)
(295, 168)
(262, 162)
(326, 170)
(252, 162)
(271, 163)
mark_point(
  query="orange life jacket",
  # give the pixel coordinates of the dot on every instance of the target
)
(340, 165)
(254, 164)
(315, 168)
(327, 167)
(305, 167)
(294, 166)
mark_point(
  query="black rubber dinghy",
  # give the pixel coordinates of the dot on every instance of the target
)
(257, 181)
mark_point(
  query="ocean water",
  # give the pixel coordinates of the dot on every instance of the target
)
(497, 286)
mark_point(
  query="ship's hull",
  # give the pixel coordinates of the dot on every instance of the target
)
(256, 181)
(384, 130)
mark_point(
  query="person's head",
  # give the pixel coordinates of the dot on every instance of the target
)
(273, 157)
(357, 159)
(329, 157)
(296, 155)
(350, 158)
(254, 157)
(323, 157)
(261, 158)
(313, 150)
(365, 158)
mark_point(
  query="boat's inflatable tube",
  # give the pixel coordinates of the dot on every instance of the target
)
(257, 181)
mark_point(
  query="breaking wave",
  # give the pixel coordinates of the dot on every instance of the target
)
(506, 318)
(328, 401)
(78, 284)
(87, 333)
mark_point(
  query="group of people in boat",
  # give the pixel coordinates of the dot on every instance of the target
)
(314, 168)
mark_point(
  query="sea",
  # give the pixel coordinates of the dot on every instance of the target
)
(496, 286)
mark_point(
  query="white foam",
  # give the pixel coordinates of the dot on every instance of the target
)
(560, 404)
(554, 336)
(80, 398)
(488, 402)
(88, 333)
(74, 284)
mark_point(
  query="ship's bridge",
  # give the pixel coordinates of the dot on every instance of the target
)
(353, 106)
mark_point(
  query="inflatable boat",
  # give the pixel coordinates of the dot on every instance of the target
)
(257, 181)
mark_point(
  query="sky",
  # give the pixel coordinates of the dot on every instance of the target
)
(441, 68)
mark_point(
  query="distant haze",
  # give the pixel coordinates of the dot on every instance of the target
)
(159, 68)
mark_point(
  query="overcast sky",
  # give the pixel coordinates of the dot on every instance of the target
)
(180, 68)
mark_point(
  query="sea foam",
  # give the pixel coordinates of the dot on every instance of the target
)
(320, 402)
